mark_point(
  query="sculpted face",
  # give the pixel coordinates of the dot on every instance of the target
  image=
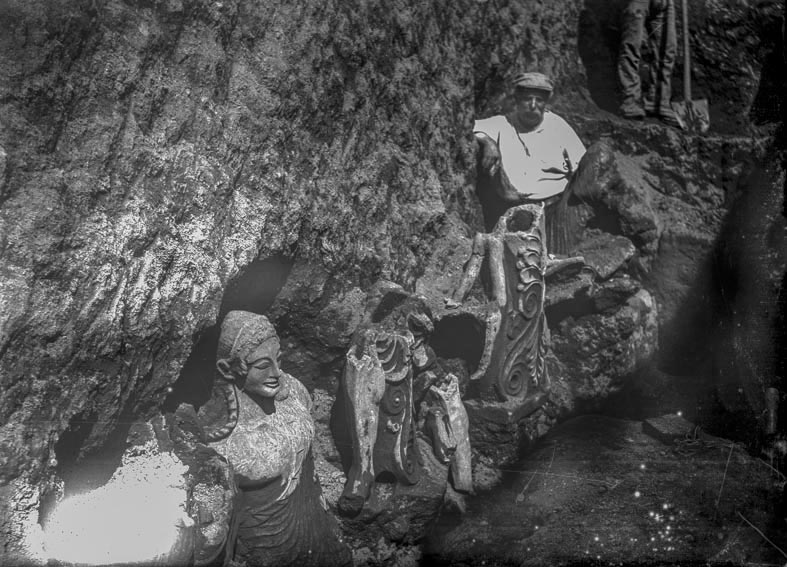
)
(530, 107)
(259, 374)
(264, 374)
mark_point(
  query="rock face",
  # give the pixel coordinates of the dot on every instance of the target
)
(151, 154)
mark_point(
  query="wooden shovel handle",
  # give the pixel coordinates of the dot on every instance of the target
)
(686, 53)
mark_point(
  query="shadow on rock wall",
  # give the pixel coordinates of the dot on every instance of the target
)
(749, 267)
(598, 43)
(769, 102)
(723, 347)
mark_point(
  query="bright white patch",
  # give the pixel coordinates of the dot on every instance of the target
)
(134, 517)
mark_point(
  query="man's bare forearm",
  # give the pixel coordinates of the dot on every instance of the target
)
(491, 164)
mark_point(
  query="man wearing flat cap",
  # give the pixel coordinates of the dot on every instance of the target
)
(529, 154)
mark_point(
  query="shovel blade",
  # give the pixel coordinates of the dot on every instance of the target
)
(694, 114)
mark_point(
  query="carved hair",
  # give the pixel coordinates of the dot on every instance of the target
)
(241, 333)
(227, 390)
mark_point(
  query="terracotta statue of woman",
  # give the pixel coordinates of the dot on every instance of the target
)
(280, 517)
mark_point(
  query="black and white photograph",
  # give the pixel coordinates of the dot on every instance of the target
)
(393, 283)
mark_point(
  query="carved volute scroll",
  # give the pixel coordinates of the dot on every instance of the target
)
(378, 389)
(512, 365)
(524, 323)
(394, 451)
(397, 400)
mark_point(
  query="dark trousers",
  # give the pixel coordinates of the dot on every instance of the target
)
(656, 18)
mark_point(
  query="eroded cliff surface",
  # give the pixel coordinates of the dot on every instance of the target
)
(153, 150)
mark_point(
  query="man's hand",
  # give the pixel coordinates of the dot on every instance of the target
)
(567, 163)
(557, 171)
(568, 168)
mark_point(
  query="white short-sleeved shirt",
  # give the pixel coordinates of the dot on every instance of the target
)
(525, 156)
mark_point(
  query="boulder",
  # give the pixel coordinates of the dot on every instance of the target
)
(596, 353)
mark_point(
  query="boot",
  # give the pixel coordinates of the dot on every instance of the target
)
(632, 109)
(670, 118)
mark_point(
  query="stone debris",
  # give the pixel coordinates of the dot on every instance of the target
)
(669, 428)
(606, 253)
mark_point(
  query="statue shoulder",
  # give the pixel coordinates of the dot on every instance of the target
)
(297, 390)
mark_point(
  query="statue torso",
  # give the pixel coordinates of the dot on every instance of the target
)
(265, 446)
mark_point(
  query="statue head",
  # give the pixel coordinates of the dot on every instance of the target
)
(249, 355)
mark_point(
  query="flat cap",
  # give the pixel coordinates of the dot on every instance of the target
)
(537, 81)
